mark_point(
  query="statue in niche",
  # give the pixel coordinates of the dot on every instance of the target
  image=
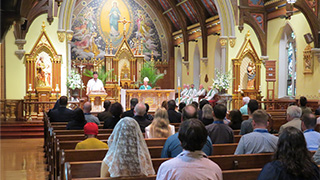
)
(43, 72)
(125, 72)
(251, 72)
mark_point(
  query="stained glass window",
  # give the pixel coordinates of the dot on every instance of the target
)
(291, 52)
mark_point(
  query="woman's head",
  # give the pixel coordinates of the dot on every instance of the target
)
(79, 116)
(293, 153)
(235, 116)
(160, 125)
(128, 154)
(116, 109)
(207, 112)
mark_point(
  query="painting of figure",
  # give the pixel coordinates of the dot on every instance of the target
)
(114, 17)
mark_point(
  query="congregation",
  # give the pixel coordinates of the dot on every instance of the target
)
(201, 126)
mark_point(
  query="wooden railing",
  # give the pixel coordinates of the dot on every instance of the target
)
(11, 109)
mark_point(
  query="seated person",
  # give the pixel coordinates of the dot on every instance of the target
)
(201, 105)
(139, 112)
(160, 127)
(312, 137)
(181, 106)
(303, 105)
(147, 115)
(207, 114)
(260, 140)
(244, 108)
(174, 116)
(182, 93)
(191, 163)
(293, 118)
(210, 94)
(246, 126)
(218, 131)
(78, 122)
(129, 113)
(172, 146)
(91, 142)
(192, 94)
(236, 119)
(145, 85)
(116, 111)
(87, 115)
(128, 154)
(62, 113)
(201, 92)
(106, 113)
(292, 159)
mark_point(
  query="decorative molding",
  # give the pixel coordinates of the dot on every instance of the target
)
(69, 35)
(61, 34)
(307, 60)
(223, 40)
(204, 60)
(232, 41)
(316, 53)
(264, 59)
(20, 53)
(186, 63)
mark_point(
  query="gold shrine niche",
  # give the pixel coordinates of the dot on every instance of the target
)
(43, 69)
(246, 74)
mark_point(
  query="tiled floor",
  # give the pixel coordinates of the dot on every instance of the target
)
(22, 159)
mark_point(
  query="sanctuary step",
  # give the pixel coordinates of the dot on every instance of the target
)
(20, 130)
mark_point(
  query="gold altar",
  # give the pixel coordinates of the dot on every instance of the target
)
(152, 97)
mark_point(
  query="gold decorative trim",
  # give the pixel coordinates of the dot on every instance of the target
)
(307, 60)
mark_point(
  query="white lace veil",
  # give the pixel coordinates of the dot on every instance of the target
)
(128, 154)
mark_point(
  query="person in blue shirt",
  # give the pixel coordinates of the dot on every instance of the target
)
(145, 85)
(309, 122)
(244, 108)
(172, 146)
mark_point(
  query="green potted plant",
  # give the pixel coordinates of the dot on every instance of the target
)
(149, 70)
(103, 75)
(74, 83)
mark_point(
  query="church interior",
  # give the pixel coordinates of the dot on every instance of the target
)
(268, 50)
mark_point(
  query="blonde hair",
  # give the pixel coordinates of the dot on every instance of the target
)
(159, 127)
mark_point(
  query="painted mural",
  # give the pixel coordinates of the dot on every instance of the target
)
(97, 21)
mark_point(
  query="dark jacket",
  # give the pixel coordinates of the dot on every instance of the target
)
(128, 113)
(104, 115)
(75, 125)
(62, 114)
(110, 122)
(174, 116)
(142, 121)
(207, 121)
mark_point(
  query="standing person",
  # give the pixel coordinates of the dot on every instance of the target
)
(94, 84)
(191, 163)
(128, 154)
(160, 127)
(106, 113)
(87, 115)
(62, 113)
(174, 116)
(293, 118)
(129, 113)
(91, 142)
(309, 122)
(218, 131)
(246, 126)
(244, 108)
(145, 85)
(260, 140)
(116, 111)
(78, 122)
(292, 160)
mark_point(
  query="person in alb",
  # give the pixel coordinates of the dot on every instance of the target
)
(145, 85)
(95, 84)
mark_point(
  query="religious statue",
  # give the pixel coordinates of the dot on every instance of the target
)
(124, 22)
(251, 72)
(125, 72)
(114, 17)
(43, 76)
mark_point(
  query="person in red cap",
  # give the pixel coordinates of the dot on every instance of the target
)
(91, 132)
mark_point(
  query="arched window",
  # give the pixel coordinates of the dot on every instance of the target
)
(287, 63)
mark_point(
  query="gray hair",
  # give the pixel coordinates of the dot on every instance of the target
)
(140, 109)
(294, 112)
(207, 111)
(246, 99)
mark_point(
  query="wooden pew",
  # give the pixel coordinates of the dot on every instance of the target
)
(69, 132)
(64, 127)
(241, 174)
(224, 149)
(74, 137)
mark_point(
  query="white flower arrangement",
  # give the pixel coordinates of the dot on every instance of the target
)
(222, 80)
(74, 80)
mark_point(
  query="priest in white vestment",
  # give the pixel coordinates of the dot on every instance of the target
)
(201, 92)
(191, 94)
(210, 93)
(95, 84)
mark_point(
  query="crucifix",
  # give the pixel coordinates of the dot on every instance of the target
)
(124, 22)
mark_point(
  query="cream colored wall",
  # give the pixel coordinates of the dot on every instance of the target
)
(15, 68)
(307, 85)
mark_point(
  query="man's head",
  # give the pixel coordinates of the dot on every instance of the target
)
(192, 86)
(202, 103)
(245, 100)
(303, 101)
(171, 105)
(87, 107)
(95, 74)
(147, 107)
(192, 135)
(189, 112)
(309, 121)
(184, 86)
(133, 102)
(188, 86)
(260, 119)
(63, 101)
(145, 81)
(106, 105)
(140, 109)
(181, 106)
(252, 106)
(220, 111)
(200, 86)
(196, 105)
(91, 129)
(293, 112)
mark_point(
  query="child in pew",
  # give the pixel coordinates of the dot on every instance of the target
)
(191, 163)
(292, 160)
(128, 154)
(91, 132)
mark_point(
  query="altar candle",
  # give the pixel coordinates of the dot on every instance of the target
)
(178, 81)
(119, 80)
(239, 88)
(134, 78)
(30, 88)
(57, 88)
